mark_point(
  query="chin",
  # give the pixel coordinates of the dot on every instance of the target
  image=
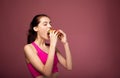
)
(47, 38)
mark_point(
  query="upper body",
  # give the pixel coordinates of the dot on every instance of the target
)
(37, 37)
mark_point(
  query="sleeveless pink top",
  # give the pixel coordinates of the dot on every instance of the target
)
(43, 57)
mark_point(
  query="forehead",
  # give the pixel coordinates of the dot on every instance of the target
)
(44, 19)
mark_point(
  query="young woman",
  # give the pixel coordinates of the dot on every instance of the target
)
(42, 58)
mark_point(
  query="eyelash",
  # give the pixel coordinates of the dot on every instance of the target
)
(45, 24)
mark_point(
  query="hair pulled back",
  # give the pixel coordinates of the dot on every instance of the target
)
(34, 23)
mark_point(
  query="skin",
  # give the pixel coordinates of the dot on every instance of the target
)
(31, 53)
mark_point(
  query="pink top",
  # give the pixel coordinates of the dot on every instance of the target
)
(43, 57)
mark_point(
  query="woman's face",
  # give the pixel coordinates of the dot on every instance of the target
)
(43, 27)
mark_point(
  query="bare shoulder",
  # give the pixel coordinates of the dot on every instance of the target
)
(28, 48)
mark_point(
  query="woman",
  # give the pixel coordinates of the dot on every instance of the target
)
(42, 58)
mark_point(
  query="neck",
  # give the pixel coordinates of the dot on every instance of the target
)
(40, 42)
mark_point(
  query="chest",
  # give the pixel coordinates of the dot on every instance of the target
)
(43, 56)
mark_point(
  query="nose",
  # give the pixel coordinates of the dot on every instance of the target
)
(49, 26)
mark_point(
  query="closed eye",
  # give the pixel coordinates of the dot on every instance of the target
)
(45, 24)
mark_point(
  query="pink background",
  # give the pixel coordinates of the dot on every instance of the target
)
(92, 27)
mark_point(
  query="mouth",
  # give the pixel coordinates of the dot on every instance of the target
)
(48, 32)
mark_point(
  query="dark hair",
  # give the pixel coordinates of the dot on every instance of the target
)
(34, 23)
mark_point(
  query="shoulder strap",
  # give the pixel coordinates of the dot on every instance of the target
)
(36, 47)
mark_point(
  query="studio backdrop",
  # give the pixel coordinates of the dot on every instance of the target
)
(92, 28)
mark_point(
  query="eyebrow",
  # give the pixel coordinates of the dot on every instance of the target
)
(47, 22)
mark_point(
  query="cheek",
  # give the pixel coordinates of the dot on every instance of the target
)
(42, 32)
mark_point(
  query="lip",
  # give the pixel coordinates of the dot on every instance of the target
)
(48, 31)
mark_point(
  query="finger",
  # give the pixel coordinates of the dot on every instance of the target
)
(60, 31)
(52, 31)
(57, 32)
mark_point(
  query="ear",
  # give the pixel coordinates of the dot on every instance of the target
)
(35, 28)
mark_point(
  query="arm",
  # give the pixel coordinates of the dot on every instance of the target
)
(67, 61)
(36, 62)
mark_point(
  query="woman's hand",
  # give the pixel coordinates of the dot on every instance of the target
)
(63, 37)
(53, 37)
